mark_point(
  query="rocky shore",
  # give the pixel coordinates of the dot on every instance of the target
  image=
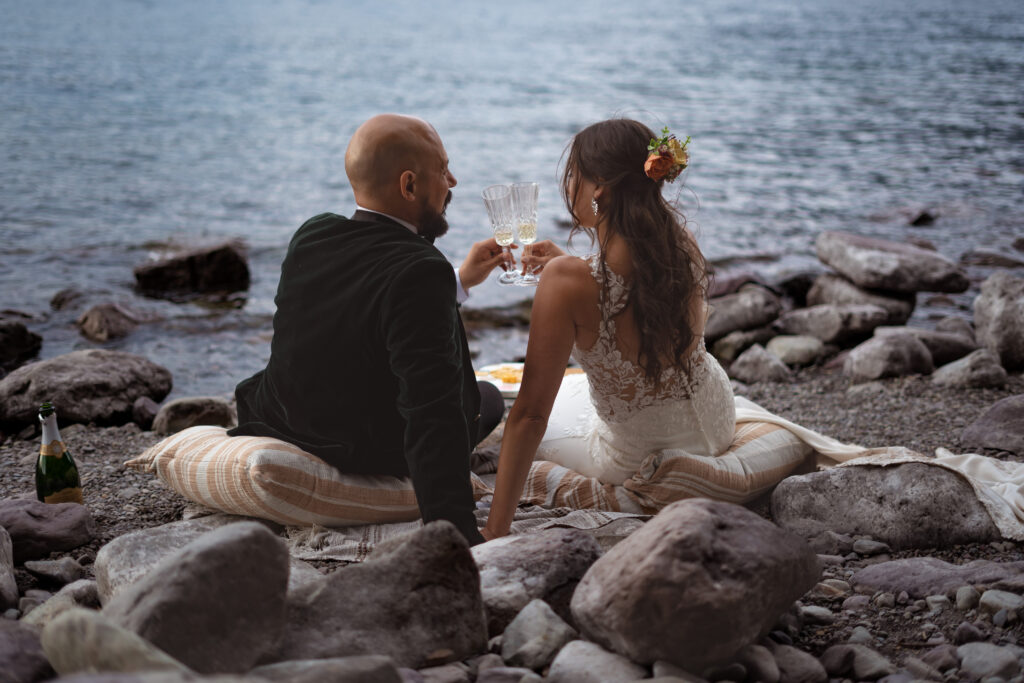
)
(854, 574)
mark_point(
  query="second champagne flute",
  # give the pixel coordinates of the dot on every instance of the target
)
(498, 201)
(524, 206)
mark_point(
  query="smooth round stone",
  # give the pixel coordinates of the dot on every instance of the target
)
(860, 636)
(937, 603)
(967, 597)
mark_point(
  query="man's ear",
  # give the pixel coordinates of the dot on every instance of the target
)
(407, 185)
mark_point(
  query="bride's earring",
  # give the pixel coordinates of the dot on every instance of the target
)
(593, 205)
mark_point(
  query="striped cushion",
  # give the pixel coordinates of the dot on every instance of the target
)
(267, 478)
(761, 455)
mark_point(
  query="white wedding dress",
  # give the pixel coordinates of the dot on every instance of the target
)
(605, 423)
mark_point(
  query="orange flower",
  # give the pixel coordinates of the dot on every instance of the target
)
(657, 166)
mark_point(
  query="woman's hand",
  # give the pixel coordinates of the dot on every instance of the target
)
(536, 256)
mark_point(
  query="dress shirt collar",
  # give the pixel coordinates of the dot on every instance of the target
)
(406, 224)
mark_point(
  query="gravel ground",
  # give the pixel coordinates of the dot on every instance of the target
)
(907, 411)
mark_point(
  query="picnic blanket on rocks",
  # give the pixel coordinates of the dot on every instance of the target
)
(999, 485)
(330, 515)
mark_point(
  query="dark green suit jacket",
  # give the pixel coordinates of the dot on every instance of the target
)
(369, 368)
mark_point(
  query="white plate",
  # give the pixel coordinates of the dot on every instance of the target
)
(510, 389)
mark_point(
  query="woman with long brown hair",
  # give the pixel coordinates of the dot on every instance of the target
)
(632, 315)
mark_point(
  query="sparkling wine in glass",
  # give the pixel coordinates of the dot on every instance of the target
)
(524, 207)
(498, 201)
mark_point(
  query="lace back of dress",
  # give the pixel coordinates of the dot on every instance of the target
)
(618, 385)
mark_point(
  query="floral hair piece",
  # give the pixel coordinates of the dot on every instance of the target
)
(666, 157)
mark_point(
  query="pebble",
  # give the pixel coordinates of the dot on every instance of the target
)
(129, 492)
(813, 614)
(967, 633)
(12, 614)
(856, 603)
(903, 598)
(1000, 618)
(942, 658)
(885, 600)
(830, 560)
(61, 572)
(983, 660)
(967, 597)
(860, 636)
(869, 547)
(937, 603)
(993, 601)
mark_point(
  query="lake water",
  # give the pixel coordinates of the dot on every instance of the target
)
(128, 125)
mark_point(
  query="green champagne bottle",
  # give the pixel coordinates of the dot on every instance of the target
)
(56, 475)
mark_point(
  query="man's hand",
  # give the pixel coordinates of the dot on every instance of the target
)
(536, 256)
(483, 257)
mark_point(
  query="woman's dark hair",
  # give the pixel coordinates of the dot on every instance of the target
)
(668, 268)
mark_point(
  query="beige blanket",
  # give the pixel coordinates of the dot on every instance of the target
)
(998, 485)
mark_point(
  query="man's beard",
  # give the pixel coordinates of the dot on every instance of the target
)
(433, 224)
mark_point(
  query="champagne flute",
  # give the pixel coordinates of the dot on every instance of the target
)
(524, 206)
(498, 201)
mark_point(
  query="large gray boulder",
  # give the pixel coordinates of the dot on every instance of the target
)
(693, 586)
(182, 413)
(830, 288)
(728, 348)
(217, 605)
(37, 529)
(758, 365)
(945, 347)
(107, 321)
(221, 268)
(96, 385)
(888, 356)
(834, 323)
(17, 343)
(924, 576)
(874, 263)
(583, 662)
(517, 569)
(8, 584)
(1001, 427)
(911, 505)
(21, 654)
(956, 325)
(978, 369)
(796, 349)
(358, 669)
(999, 319)
(752, 306)
(131, 556)
(408, 601)
(83, 640)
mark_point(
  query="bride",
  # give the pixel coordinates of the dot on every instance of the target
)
(632, 315)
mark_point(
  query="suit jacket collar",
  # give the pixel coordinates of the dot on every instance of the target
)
(374, 217)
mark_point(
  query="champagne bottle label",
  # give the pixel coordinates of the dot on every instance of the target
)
(55, 448)
(70, 495)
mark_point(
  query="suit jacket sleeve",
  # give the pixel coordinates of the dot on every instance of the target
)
(423, 340)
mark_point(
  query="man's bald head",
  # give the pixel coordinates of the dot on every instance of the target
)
(386, 146)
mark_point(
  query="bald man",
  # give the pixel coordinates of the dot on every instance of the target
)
(369, 367)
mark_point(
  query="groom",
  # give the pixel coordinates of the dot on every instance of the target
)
(369, 368)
